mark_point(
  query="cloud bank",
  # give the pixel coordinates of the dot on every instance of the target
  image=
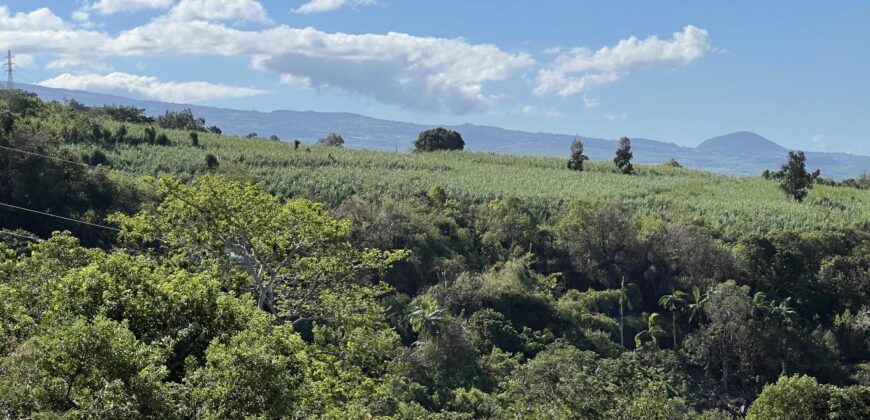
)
(450, 75)
(146, 87)
(320, 6)
(578, 69)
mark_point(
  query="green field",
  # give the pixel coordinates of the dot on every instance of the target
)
(729, 206)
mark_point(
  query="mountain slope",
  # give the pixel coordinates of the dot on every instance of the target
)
(741, 142)
(740, 153)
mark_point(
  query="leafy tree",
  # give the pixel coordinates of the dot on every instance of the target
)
(438, 139)
(126, 114)
(796, 180)
(85, 370)
(510, 228)
(729, 341)
(559, 383)
(194, 139)
(601, 241)
(181, 120)
(623, 157)
(791, 397)
(252, 135)
(215, 130)
(577, 156)
(274, 137)
(331, 140)
(257, 372)
(300, 266)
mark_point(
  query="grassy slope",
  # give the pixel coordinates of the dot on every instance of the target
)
(730, 205)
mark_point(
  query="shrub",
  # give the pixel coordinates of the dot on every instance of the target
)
(211, 162)
(331, 140)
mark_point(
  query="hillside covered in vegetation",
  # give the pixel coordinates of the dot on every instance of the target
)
(154, 268)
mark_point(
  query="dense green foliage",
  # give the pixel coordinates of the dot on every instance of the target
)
(438, 139)
(623, 157)
(332, 140)
(577, 158)
(795, 178)
(250, 278)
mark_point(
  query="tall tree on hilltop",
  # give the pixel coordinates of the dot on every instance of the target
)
(577, 156)
(623, 156)
(796, 180)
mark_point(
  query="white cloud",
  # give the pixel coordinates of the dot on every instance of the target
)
(590, 102)
(578, 69)
(24, 60)
(220, 10)
(69, 63)
(531, 111)
(295, 81)
(426, 73)
(38, 20)
(108, 7)
(616, 116)
(149, 87)
(319, 6)
(419, 72)
(83, 18)
(819, 142)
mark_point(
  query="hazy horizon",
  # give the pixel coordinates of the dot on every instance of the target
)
(606, 70)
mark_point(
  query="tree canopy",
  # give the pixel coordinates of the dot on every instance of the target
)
(438, 139)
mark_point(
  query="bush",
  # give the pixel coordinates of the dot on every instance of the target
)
(211, 162)
(331, 140)
(438, 139)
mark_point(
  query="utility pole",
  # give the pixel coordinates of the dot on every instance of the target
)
(10, 82)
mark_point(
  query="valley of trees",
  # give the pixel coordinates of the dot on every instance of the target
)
(154, 268)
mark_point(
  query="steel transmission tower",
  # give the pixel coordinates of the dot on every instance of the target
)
(10, 82)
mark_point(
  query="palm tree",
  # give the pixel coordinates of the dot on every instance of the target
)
(761, 304)
(785, 316)
(425, 316)
(696, 304)
(627, 293)
(674, 302)
(651, 332)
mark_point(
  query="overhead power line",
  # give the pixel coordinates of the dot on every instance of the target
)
(69, 219)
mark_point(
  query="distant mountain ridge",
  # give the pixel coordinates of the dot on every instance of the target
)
(740, 142)
(739, 153)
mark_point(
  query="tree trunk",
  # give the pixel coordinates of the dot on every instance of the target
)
(621, 330)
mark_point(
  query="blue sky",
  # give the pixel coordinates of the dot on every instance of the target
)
(793, 71)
